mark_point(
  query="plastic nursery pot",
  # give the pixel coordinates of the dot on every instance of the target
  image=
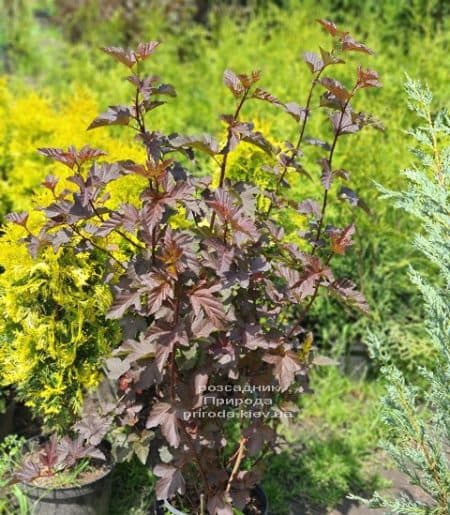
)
(258, 496)
(90, 498)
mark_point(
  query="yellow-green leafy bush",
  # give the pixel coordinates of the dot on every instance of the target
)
(53, 335)
(29, 121)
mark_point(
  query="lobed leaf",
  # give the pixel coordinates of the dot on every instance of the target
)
(335, 87)
(314, 62)
(368, 78)
(329, 26)
(124, 56)
(350, 45)
(262, 94)
(164, 415)
(170, 481)
(203, 299)
(286, 367)
(115, 115)
(233, 83)
(342, 239)
(145, 50)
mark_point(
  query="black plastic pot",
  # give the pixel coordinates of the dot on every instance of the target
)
(89, 499)
(162, 507)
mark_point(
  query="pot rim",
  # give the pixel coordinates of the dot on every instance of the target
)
(108, 465)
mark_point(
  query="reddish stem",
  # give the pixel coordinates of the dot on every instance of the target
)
(300, 138)
(223, 166)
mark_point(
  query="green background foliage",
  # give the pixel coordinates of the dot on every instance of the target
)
(55, 81)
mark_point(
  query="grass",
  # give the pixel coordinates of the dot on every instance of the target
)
(328, 451)
(132, 489)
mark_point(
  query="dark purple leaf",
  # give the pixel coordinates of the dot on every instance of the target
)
(327, 177)
(297, 112)
(314, 271)
(314, 62)
(123, 301)
(159, 288)
(117, 367)
(233, 83)
(203, 299)
(93, 427)
(60, 238)
(124, 56)
(18, 218)
(350, 45)
(257, 139)
(171, 481)
(262, 94)
(352, 198)
(285, 368)
(343, 123)
(88, 153)
(204, 142)
(335, 87)
(28, 471)
(253, 337)
(48, 455)
(343, 174)
(164, 415)
(149, 105)
(309, 206)
(346, 291)
(227, 212)
(317, 142)
(67, 157)
(145, 50)
(330, 100)
(258, 435)
(36, 244)
(164, 89)
(115, 115)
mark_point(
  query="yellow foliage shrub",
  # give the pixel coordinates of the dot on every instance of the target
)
(53, 334)
(33, 121)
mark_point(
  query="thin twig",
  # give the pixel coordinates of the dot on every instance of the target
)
(330, 159)
(310, 303)
(190, 443)
(223, 166)
(300, 138)
(237, 463)
(76, 230)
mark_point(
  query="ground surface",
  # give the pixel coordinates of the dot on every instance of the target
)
(399, 485)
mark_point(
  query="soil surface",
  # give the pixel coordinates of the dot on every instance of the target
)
(400, 485)
(86, 477)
